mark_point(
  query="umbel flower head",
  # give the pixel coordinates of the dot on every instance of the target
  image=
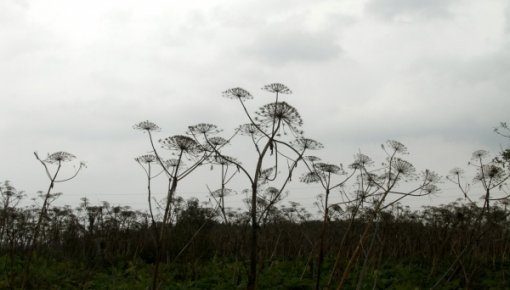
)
(479, 154)
(248, 129)
(170, 163)
(219, 193)
(456, 172)
(307, 144)
(280, 112)
(277, 88)
(396, 146)
(224, 160)
(490, 171)
(360, 161)
(181, 143)
(237, 93)
(312, 158)
(146, 126)
(213, 143)
(60, 156)
(203, 129)
(327, 168)
(148, 158)
(402, 167)
(310, 177)
(217, 141)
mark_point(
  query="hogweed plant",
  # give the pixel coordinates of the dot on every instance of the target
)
(52, 164)
(386, 181)
(271, 130)
(181, 148)
(146, 161)
(490, 176)
(322, 174)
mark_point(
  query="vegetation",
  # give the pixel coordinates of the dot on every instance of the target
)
(364, 238)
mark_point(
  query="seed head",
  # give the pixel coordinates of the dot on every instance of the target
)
(181, 143)
(327, 168)
(360, 161)
(146, 126)
(171, 163)
(312, 158)
(307, 144)
(479, 154)
(204, 129)
(248, 130)
(457, 172)
(60, 156)
(222, 192)
(310, 177)
(237, 93)
(402, 167)
(397, 146)
(490, 171)
(148, 158)
(224, 160)
(277, 88)
(280, 112)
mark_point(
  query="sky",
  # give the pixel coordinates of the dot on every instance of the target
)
(76, 76)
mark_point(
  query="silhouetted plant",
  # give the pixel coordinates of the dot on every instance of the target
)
(491, 176)
(266, 129)
(322, 173)
(148, 160)
(58, 159)
(183, 147)
(385, 181)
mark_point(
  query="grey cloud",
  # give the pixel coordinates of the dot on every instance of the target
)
(507, 18)
(391, 9)
(279, 47)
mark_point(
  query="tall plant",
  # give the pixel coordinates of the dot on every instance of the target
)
(183, 148)
(56, 162)
(277, 138)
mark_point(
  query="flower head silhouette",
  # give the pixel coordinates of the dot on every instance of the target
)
(403, 167)
(148, 158)
(224, 160)
(490, 171)
(397, 146)
(146, 126)
(282, 113)
(277, 88)
(171, 163)
(327, 168)
(479, 154)
(222, 192)
(310, 177)
(312, 158)
(237, 93)
(60, 156)
(360, 161)
(204, 129)
(248, 130)
(307, 144)
(181, 143)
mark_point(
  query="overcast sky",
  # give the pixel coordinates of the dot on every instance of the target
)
(76, 75)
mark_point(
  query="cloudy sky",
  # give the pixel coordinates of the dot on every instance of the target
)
(76, 75)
